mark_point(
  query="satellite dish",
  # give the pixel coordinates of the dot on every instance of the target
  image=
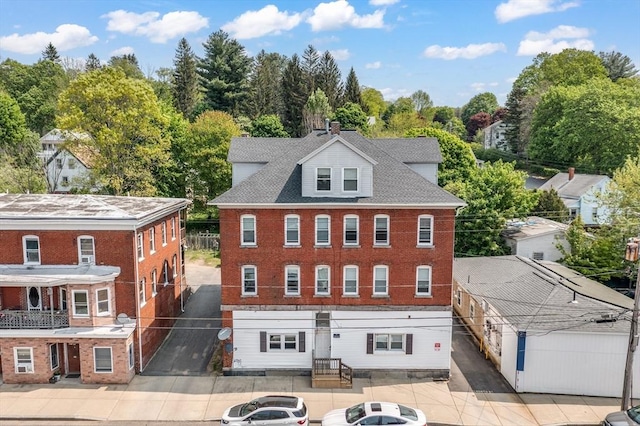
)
(123, 318)
(224, 333)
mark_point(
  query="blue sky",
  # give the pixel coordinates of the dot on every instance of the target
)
(451, 49)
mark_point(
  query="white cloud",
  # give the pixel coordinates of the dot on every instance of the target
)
(471, 51)
(382, 2)
(258, 23)
(151, 25)
(340, 14)
(126, 50)
(515, 9)
(340, 54)
(393, 94)
(511, 80)
(481, 87)
(373, 65)
(66, 37)
(554, 41)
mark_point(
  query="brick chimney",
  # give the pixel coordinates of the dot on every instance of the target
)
(335, 127)
(572, 172)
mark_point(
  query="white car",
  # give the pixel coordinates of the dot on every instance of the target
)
(375, 413)
(271, 410)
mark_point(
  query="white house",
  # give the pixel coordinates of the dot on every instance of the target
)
(536, 238)
(66, 167)
(547, 328)
(580, 194)
(494, 136)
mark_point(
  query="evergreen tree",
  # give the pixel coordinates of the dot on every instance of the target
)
(266, 85)
(329, 79)
(127, 63)
(352, 89)
(50, 53)
(294, 90)
(551, 206)
(617, 65)
(310, 64)
(185, 85)
(224, 70)
(93, 63)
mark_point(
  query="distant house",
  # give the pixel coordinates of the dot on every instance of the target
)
(67, 167)
(547, 328)
(536, 238)
(579, 193)
(494, 136)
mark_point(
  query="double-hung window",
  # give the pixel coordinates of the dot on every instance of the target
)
(154, 282)
(351, 226)
(425, 230)
(173, 228)
(103, 363)
(323, 179)
(140, 246)
(132, 358)
(322, 280)
(423, 281)
(165, 273)
(292, 284)
(152, 240)
(283, 342)
(174, 265)
(103, 302)
(80, 302)
(323, 225)
(142, 295)
(23, 360)
(248, 230)
(380, 280)
(381, 231)
(249, 281)
(163, 230)
(389, 342)
(350, 179)
(53, 356)
(31, 245)
(292, 230)
(86, 250)
(350, 276)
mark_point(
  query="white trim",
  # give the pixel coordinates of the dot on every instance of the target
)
(27, 367)
(386, 278)
(152, 240)
(286, 279)
(131, 355)
(108, 312)
(333, 140)
(282, 341)
(140, 246)
(344, 280)
(430, 243)
(357, 180)
(174, 265)
(297, 229)
(95, 366)
(255, 231)
(54, 367)
(154, 282)
(142, 291)
(341, 206)
(323, 191)
(328, 292)
(163, 233)
(325, 216)
(173, 228)
(430, 271)
(26, 238)
(73, 303)
(344, 229)
(255, 280)
(91, 259)
(375, 228)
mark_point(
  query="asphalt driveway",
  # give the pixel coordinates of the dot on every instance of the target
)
(188, 349)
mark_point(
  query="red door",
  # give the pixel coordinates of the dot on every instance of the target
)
(73, 352)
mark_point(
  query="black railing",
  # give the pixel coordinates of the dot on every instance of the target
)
(332, 367)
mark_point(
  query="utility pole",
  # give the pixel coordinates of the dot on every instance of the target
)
(631, 254)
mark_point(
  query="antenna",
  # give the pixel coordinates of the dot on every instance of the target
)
(224, 333)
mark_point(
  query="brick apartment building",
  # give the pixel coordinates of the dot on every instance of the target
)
(89, 284)
(336, 247)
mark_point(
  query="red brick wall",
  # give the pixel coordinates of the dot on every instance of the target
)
(402, 258)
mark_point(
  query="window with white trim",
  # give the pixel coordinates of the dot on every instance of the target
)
(323, 225)
(142, 296)
(173, 228)
(140, 246)
(380, 280)
(63, 299)
(323, 179)
(152, 240)
(322, 280)
(283, 342)
(458, 296)
(292, 277)
(292, 229)
(350, 278)
(423, 281)
(154, 282)
(132, 359)
(350, 179)
(31, 245)
(165, 273)
(389, 342)
(71, 163)
(80, 302)
(53, 356)
(59, 163)
(249, 281)
(86, 250)
(163, 230)
(425, 230)
(472, 311)
(381, 230)
(174, 265)
(23, 359)
(103, 362)
(103, 302)
(351, 225)
(248, 230)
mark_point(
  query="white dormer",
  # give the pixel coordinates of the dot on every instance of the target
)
(337, 169)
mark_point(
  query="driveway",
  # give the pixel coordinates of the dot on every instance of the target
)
(188, 348)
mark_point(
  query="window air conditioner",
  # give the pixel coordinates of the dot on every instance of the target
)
(87, 260)
(24, 368)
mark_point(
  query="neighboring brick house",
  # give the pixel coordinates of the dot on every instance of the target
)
(334, 246)
(89, 284)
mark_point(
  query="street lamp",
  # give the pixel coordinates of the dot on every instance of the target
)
(631, 254)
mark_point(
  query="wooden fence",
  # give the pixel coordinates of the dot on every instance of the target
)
(203, 241)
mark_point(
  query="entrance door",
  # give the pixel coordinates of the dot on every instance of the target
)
(73, 358)
(323, 335)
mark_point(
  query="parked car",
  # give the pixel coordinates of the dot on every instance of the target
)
(630, 417)
(268, 410)
(375, 413)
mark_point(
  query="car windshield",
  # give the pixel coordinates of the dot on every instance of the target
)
(249, 407)
(355, 413)
(634, 413)
(408, 413)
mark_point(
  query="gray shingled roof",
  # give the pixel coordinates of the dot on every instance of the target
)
(574, 188)
(411, 150)
(279, 181)
(538, 296)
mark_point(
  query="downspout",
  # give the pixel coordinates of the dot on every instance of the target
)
(137, 297)
(181, 248)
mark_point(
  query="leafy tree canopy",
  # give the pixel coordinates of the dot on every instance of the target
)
(268, 126)
(551, 206)
(373, 102)
(351, 116)
(483, 102)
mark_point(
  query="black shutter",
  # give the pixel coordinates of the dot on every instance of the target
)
(263, 341)
(369, 343)
(409, 344)
(301, 341)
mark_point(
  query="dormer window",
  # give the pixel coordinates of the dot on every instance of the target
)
(323, 179)
(350, 179)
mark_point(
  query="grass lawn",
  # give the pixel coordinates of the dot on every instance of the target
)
(204, 257)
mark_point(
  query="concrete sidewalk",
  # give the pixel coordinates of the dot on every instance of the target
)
(194, 399)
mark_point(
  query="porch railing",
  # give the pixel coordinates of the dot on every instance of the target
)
(10, 319)
(332, 367)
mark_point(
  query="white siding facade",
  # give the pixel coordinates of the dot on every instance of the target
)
(241, 171)
(427, 171)
(541, 244)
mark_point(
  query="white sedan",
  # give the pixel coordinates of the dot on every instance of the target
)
(375, 413)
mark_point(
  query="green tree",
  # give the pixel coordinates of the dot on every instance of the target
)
(295, 93)
(483, 102)
(224, 71)
(373, 102)
(268, 126)
(92, 63)
(185, 86)
(617, 65)
(310, 64)
(444, 114)
(329, 79)
(128, 64)
(127, 128)
(210, 173)
(50, 53)
(551, 206)
(352, 89)
(572, 67)
(13, 126)
(480, 223)
(171, 175)
(421, 101)
(265, 81)
(351, 116)
(458, 161)
(316, 110)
